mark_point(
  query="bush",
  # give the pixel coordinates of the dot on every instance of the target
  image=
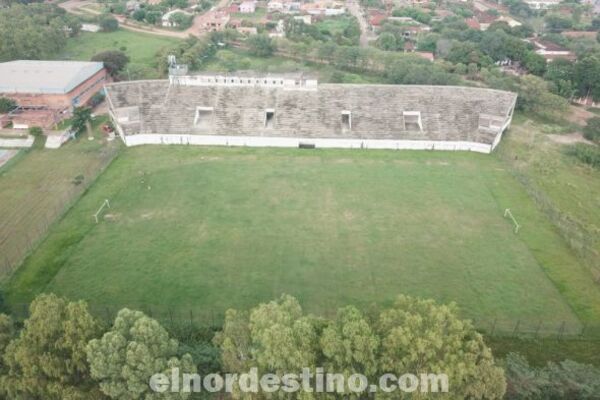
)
(108, 23)
(36, 131)
(587, 154)
(592, 130)
(6, 105)
(261, 45)
(114, 60)
(564, 380)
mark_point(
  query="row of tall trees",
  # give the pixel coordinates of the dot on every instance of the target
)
(413, 336)
(34, 31)
(63, 352)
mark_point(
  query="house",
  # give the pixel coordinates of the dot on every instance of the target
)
(541, 4)
(325, 8)
(46, 92)
(286, 7)
(473, 23)
(307, 19)
(485, 20)
(279, 31)
(248, 7)
(90, 28)
(510, 21)
(247, 30)
(166, 20)
(233, 8)
(274, 6)
(213, 21)
(376, 18)
(551, 51)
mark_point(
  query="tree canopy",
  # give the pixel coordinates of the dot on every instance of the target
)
(414, 336)
(47, 360)
(134, 349)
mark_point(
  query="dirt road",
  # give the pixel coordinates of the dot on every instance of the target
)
(357, 11)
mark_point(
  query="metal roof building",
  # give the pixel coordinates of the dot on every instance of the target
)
(45, 77)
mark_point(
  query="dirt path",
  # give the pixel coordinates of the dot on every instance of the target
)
(75, 7)
(357, 11)
(570, 138)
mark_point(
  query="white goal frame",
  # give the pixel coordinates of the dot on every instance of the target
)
(106, 204)
(509, 214)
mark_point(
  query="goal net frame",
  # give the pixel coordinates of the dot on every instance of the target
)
(509, 214)
(106, 204)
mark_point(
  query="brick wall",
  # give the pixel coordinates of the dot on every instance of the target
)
(76, 97)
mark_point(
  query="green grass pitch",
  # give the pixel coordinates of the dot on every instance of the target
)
(213, 228)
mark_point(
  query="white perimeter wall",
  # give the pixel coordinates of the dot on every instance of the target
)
(258, 141)
(25, 142)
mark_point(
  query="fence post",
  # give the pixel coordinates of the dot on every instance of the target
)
(516, 330)
(191, 319)
(561, 330)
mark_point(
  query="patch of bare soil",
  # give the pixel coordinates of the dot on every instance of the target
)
(570, 138)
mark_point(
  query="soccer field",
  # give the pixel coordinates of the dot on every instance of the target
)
(212, 228)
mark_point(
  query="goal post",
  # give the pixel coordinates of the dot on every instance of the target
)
(509, 214)
(106, 204)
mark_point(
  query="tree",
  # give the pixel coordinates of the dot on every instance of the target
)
(34, 31)
(261, 45)
(592, 129)
(36, 131)
(6, 105)
(534, 63)
(81, 118)
(7, 333)
(108, 23)
(133, 350)
(587, 76)
(180, 20)
(557, 22)
(274, 337)
(564, 380)
(423, 337)
(139, 14)
(349, 345)
(47, 360)
(416, 336)
(387, 41)
(114, 60)
(534, 96)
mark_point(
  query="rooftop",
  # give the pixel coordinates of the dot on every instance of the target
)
(54, 77)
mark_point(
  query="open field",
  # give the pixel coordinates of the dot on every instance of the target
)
(233, 59)
(140, 47)
(37, 186)
(212, 228)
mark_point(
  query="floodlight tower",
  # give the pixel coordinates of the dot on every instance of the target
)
(176, 70)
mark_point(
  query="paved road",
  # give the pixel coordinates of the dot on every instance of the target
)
(357, 11)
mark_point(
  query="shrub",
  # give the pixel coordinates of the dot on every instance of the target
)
(6, 105)
(108, 23)
(36, 131)
(592, 130)
(114, 60)
(586, 154)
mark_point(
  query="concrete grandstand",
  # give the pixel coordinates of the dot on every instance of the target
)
(288, 111)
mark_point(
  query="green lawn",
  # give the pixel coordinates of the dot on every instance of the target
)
(212, 228)
(233, 59)
(39, 184)
(140, 47)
